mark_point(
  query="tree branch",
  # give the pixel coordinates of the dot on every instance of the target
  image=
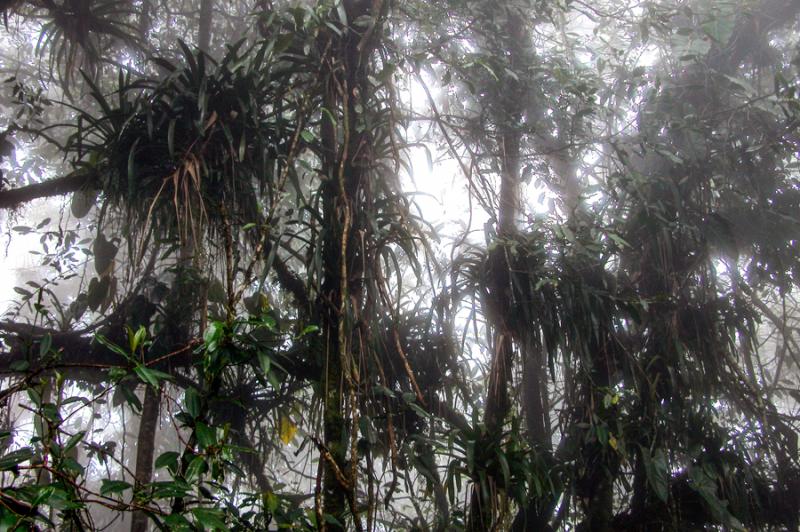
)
(14, 197)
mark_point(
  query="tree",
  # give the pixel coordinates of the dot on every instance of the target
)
(242, 268)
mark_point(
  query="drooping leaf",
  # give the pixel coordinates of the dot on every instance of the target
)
(82, 202)
(287, 429)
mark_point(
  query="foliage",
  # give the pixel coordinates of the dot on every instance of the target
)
(245, 272)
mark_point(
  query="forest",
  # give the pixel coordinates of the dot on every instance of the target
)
(377, 265)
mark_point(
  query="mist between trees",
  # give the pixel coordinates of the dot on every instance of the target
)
(381, 265)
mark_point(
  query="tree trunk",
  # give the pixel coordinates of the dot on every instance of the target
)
(204, 25)
(500, 286)
(328, 317)
(345, 195)
(145, 448)
(145, 19)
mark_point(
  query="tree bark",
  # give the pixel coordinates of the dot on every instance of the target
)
(204, 25)
(499, 289)
(345, 189)
(14, 197)
(145, 449)
(145, 20)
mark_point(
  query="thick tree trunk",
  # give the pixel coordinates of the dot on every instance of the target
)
(328, 317)
(345, 193)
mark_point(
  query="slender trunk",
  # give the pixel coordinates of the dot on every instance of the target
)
(204, 25)
(535, 399)
(500, 286)
(500, 293)
(497, 402)
(179, 318)
(145, 449)
(43, 431)
(535, 515)
(145, 19)
(482, 510)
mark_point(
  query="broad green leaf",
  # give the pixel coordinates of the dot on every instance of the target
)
(170, 489)
(209, 518)
(150, 376)
(45, 345)
(206, 436)
(656, 470)
(14, 458)
(112, 487)
(19, 366)
(74, 440)
(177, 522)
(168, 460)
(192, 402)
(265, 362)
(130, 397)
(196, 467)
